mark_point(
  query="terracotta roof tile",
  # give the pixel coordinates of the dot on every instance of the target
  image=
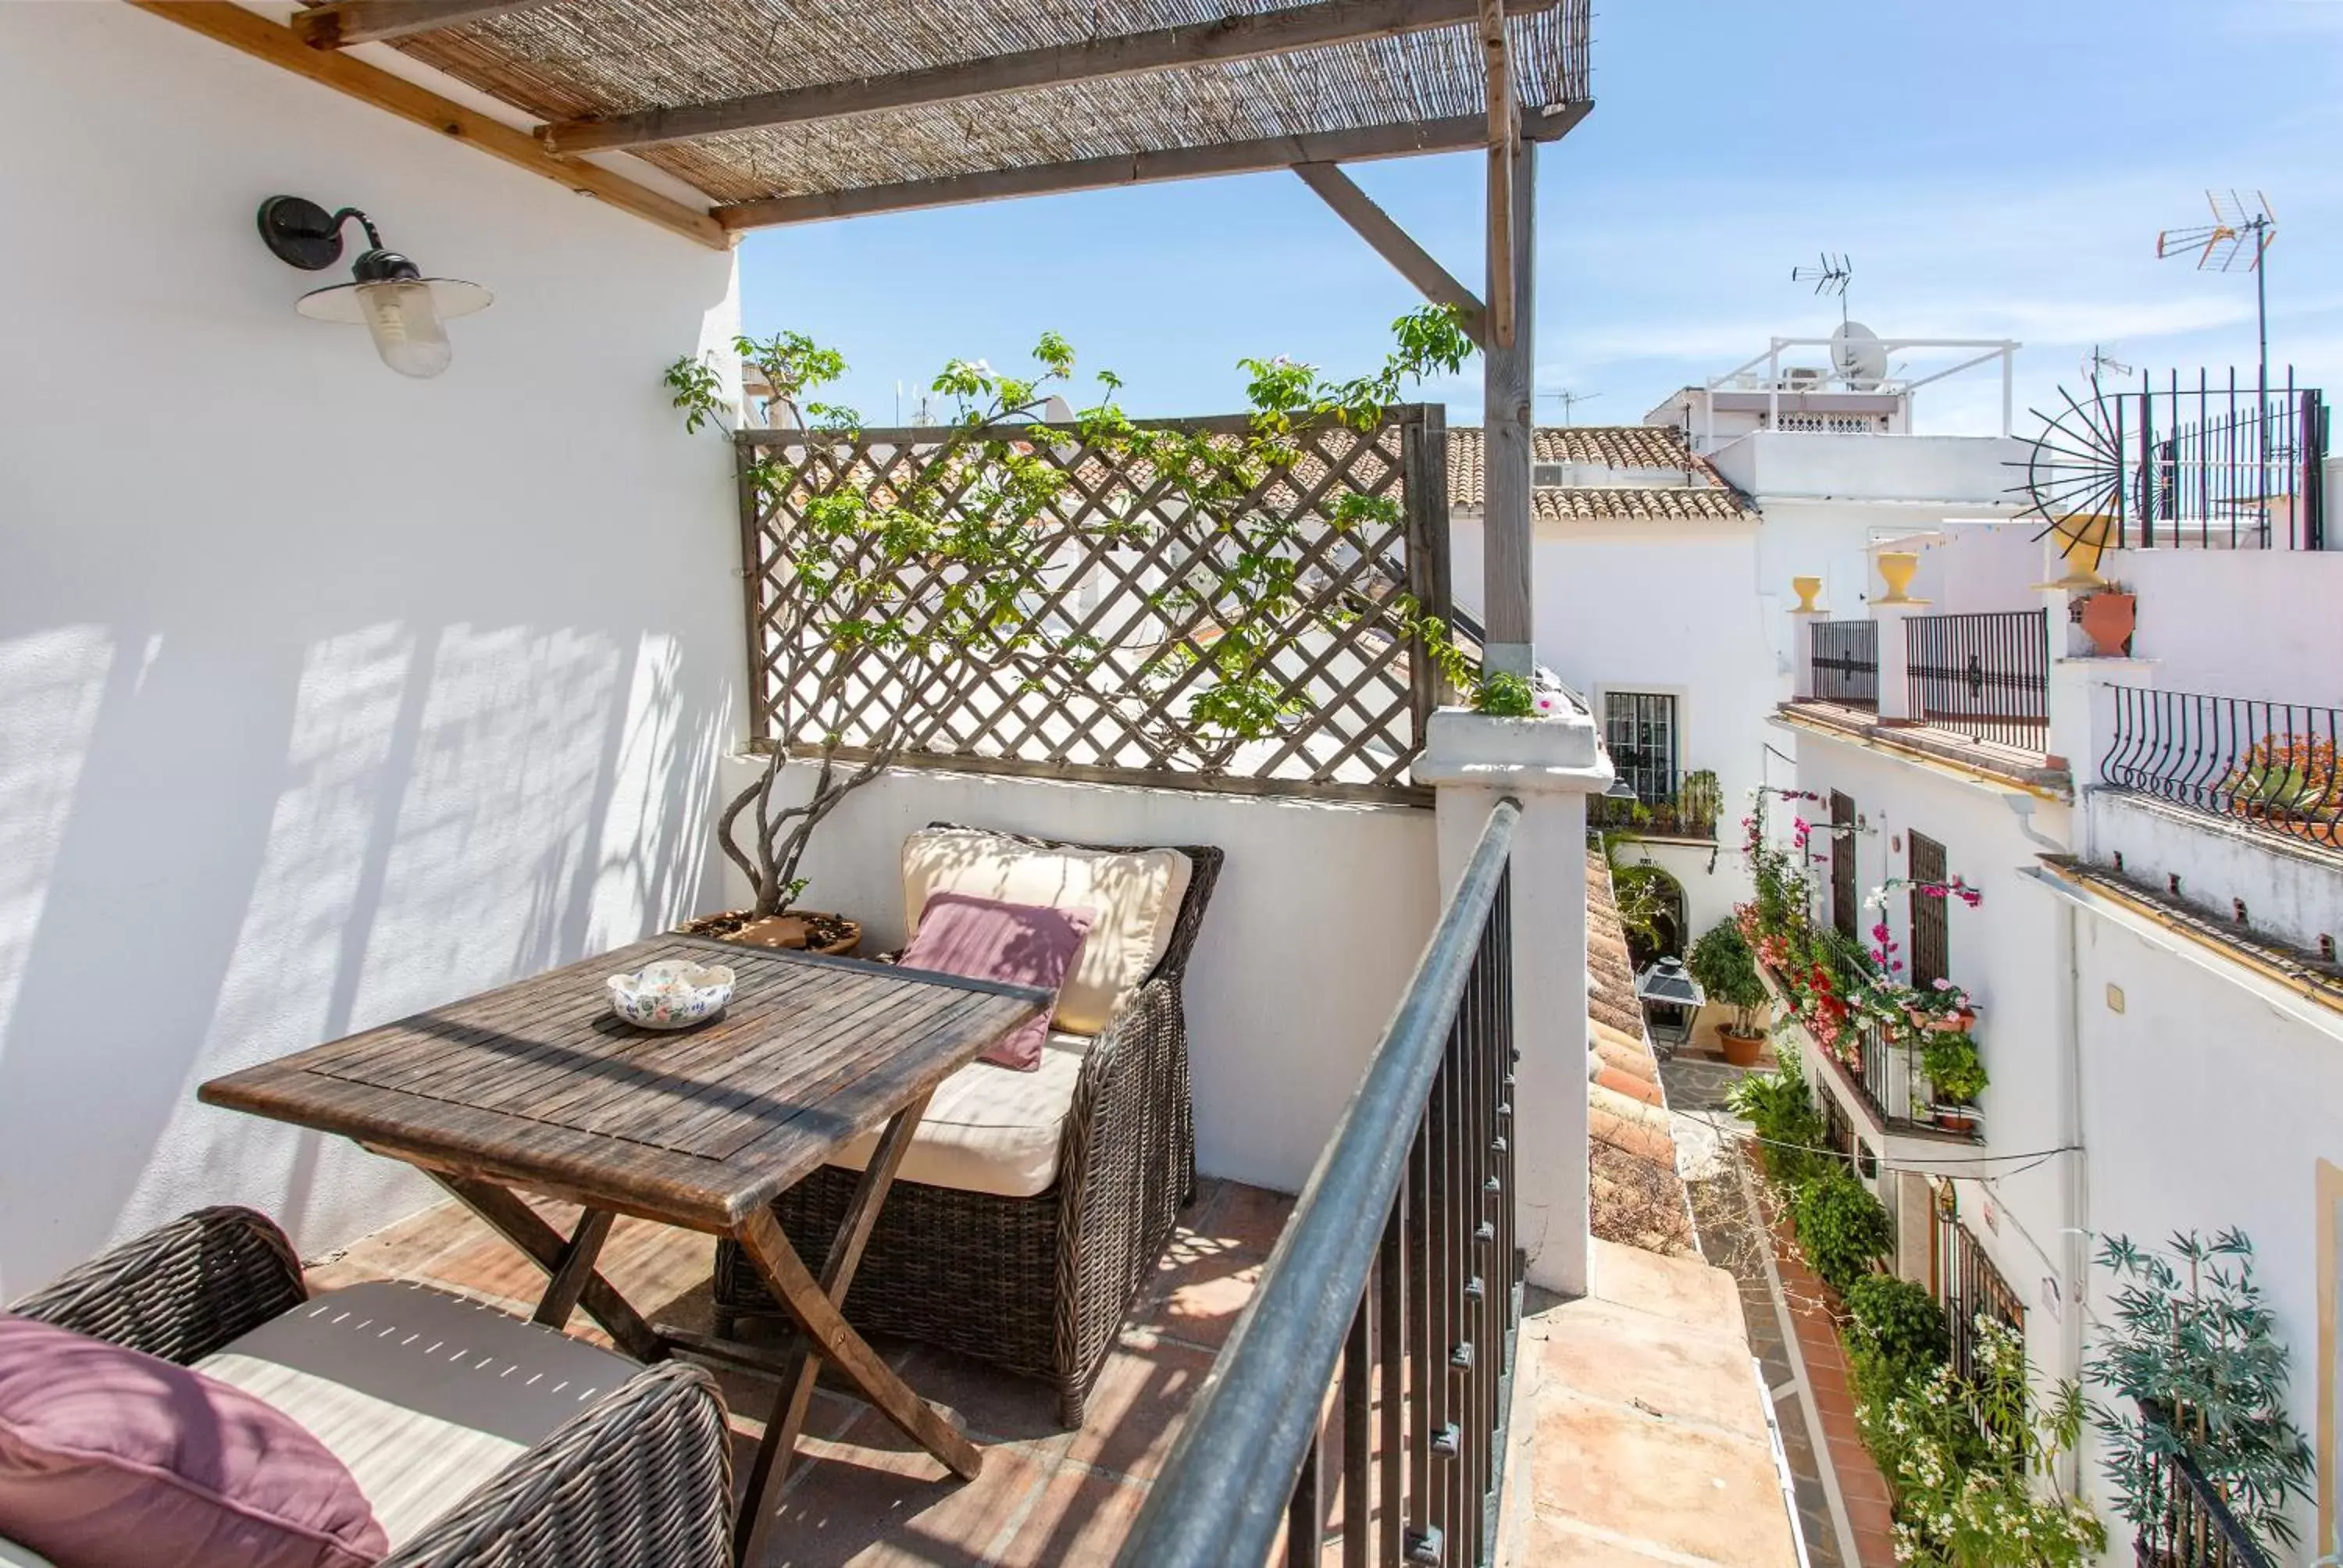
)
(1707, 497)
(1638, 1198)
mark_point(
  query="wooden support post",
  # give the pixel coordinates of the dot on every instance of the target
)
(1504, 137)
(1508, 529)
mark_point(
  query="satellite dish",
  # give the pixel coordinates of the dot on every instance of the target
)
(1057, 411)
(1859, 357)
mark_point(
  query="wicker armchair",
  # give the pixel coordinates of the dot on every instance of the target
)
(643, 1476)
(1040, 1285)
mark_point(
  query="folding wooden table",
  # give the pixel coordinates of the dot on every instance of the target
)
(535, 1087)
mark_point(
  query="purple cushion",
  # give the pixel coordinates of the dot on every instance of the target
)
(1024, 944)
(109, 1457)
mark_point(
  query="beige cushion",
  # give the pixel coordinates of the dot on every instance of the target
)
(424, 1395)
(991, 1129)
(1135, 895)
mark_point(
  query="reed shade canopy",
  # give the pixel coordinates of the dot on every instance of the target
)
(787, 111)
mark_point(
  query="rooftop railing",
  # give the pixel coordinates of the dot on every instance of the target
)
(1397, 1278)
(1686, 808)
(1984, 675)
(2268, 766)
(2216, 465)
(1845, 662)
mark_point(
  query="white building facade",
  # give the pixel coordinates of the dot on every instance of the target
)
(2151, 954)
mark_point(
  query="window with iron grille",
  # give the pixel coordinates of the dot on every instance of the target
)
(1846, 910)
(1967, 1285)
(1928, 934)
(1640, 728)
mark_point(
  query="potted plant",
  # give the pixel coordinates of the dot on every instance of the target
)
(1951, 1062)
(2191, 1353)
(1944, 1009)
(1726, 969)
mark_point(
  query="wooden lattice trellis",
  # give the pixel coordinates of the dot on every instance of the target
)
(1117, 539)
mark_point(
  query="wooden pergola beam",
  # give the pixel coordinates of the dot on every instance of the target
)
(1239, 37)
(258, 36)
(1395, 245)
(342, 22)
(1268, 153)
(1503, 132)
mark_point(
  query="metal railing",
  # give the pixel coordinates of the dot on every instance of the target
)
(1985, 675)
(1845, 662)
(2194, 1527)
(1398, 1271)
(1968, 1286)
(2268, 765)
(2212, 465)
(1683, 809)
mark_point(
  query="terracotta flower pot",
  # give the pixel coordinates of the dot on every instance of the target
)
(2108, 620)
(1942, 1023)
(1955, 1118)
(1740, 1049)
(797, 931)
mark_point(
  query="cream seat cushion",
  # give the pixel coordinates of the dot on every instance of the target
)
(425, 1396)
(991, 1129)
(1135, 896)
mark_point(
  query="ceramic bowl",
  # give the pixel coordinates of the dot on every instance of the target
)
(673, 993)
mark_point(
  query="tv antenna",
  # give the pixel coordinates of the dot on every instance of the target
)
(1830, 276)
(2237, 240)
(2099, 362)
(1570, 400)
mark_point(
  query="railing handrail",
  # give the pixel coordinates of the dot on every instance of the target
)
(2266, 765)
(1222, 1492)
(2244, 1553)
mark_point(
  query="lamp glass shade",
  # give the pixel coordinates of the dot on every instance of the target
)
(405, 316)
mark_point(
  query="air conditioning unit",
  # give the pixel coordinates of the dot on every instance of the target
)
(1805, 375)
(1546, 475)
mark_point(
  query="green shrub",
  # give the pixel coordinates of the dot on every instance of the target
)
(1842, 1229)
(1895, 1335)
(1782, 1111)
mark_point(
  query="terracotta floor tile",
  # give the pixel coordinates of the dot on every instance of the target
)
(1246, 1219)
(1196, 1297)
(1136, 1406)
(860, 1504)
(1079, 1517)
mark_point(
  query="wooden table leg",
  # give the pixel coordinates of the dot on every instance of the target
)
(569, 1266)
(815, 1305)
(577, 1267)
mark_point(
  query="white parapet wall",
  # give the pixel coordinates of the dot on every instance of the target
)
(326, 695)
(1318, 918)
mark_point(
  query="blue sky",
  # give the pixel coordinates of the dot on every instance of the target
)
(1993, 169)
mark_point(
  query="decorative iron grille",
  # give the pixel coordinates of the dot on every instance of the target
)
(2268, 765)
(1845, 662)
(1145, 583)
(1986, 676)
(1968, 1287)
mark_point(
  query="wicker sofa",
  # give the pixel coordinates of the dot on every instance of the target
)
(1039, 1285)
(641, 1475)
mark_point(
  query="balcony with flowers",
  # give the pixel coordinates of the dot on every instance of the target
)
(1904, 1055)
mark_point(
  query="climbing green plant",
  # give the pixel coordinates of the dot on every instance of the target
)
(925, 582)
(1843, 1229)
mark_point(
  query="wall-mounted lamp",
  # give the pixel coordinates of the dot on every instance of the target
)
(400, 308)
(1619, 790)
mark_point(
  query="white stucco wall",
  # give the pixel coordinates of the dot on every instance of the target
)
(1816, 466)
(2008, 952)
(2258, 624)
(325, 695)
(1313, 930)
(2292, 890)
(2206, 1109)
